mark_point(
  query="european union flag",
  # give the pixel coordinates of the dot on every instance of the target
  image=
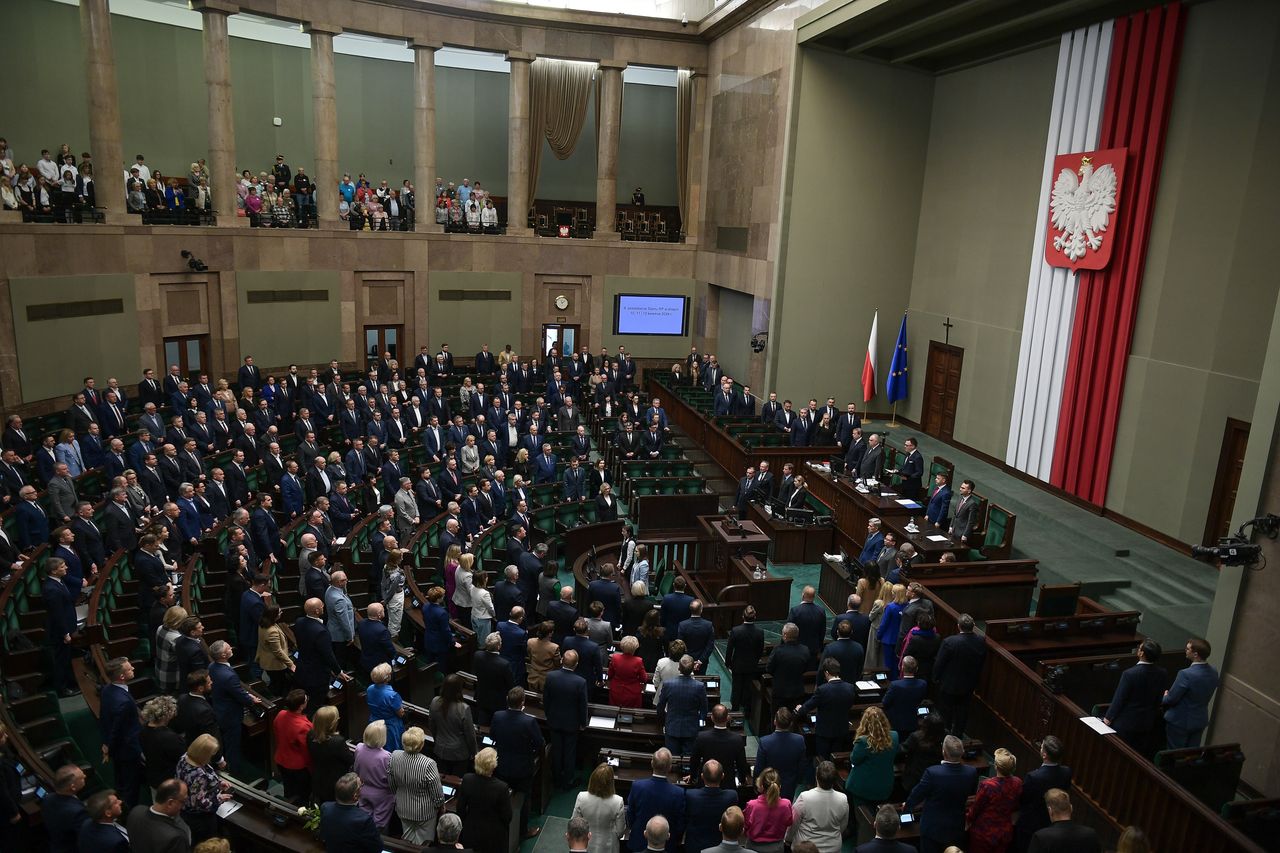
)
(898, 370)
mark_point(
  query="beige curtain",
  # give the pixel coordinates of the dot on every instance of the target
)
(559, 93)
(684, 123)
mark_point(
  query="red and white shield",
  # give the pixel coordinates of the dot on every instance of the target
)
(1083, 199)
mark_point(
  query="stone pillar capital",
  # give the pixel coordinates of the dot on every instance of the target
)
(520, 56)
(421, 44)
(219, 6)
(612, 64)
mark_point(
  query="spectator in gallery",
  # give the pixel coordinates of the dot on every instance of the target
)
(253, 206)
(473, 215)
(637, 197)
(442, 210)
(489, 217)
(347, 189)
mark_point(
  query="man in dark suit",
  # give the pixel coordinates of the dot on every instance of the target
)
(344, 825)
(103, 833)
(317, 664)
(956, 670)
(675, 607)
(604, 589)
(120, 727)
(705, 804)
(588, 653)
(1032, 814)
(62, 812)
(493, 677)
(859, 624)
(724, 400)
(902, 700)
(515, 643)
(195, 712)
(788, 663)
(684, 699)
(939, 501)
(965, 518)
(32, 520)
(565, 700)
(1063, 835)
(911, 470)
(253, 601)
(811, 619)
(60, 623)
(519, 742)
(507, 594)
(851, 654)
(770, 409)
(871, 466)
(376, 646)
(783, 750)
(654, 796)
(943, 790)
(698, 634)
(886, 824)
(726, 747)
(248, 375)
(747, 489)
(1187, 701)
(229, 700)
(742, 657)
(831, 702)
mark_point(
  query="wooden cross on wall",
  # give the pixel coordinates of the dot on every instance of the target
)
(948, 324)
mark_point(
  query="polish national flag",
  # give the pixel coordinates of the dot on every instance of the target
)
(869, 365)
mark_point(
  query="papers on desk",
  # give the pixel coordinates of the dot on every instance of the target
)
(866, 685)
(227, 809)
(885, 494)
(341, 540)
(1097, 725)
(933, 537)
(598, 722)
(833, 558)
(908, 503)
(649, 688)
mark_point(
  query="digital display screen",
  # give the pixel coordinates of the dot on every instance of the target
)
(638, 314)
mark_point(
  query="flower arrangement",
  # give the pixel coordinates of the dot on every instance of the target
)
(310, 816)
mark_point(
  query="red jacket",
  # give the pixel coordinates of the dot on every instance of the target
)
(290, 731)
(627, 679)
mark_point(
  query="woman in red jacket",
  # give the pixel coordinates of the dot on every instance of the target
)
(627, 677)
(291, 727)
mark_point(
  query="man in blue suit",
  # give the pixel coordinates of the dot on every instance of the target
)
(376, 646)
(784, 751)
(253, 601)
(1187, 702)
(291, 491)
(1135, 707)
(698, 634)
(676, 606)
(902, 700)
(544, 466)
(939, 501)
(684, 699)
(62, 812)
(886, 823)
(103, 833)
(120, 727)
(344, 825)
(515, 641)
(832, 702)
(943, 790)
(654, 796)
(32, 521)
(519, 743)
(850, 653)
(565, 700)
(859, 624)
(605, 590)
(704, 805)
(263, 530)
(588, 652)
(874, 545)
(60, 623)
(229, 699)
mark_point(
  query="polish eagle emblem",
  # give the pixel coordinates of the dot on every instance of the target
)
(1081, 206)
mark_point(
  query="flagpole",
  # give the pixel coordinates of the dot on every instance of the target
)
(893, 422)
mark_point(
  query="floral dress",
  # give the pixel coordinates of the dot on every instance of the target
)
(990, 814)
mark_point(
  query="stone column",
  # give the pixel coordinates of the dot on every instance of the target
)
(324, 103)
(698, 140)
(222, 133)
(518, 200)
(424, 133)
(104, 106)
(610, 108)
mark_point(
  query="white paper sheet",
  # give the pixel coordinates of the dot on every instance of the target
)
(228, 808)
(602, 722)
(1097, 725)
(866, 685)
(933, 537)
